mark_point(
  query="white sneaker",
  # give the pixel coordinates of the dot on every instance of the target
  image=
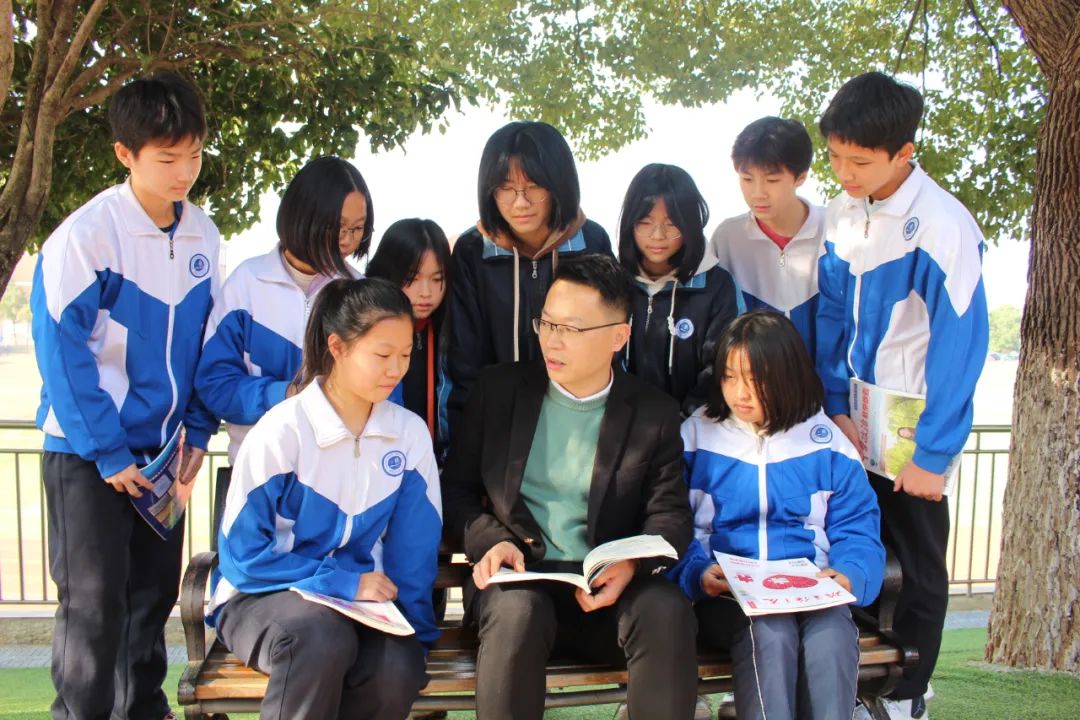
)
(907, 709)
(702, 710)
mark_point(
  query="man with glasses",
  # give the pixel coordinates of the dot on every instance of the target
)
(561, 456)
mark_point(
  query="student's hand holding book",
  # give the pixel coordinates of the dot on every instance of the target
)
(608, 586)
(713, 581)
(840, 578)
(129, 480)
(192, 461)
(501, 554)
(376, 587)
(919, 483)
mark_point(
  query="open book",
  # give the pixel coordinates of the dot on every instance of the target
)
(598, 560)
(163, 507)
(886, 422)
(383, 616)
(768, 587)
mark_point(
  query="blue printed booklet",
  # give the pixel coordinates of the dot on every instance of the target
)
(163, 507)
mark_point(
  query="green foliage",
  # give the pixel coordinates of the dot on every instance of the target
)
(1005, 329)
(287, 80)
(15, 305)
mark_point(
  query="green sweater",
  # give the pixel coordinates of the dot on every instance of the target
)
(558, 473)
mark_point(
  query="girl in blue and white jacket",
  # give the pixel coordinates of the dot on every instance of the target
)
(251, 350)
(772, 478)
(335, 491)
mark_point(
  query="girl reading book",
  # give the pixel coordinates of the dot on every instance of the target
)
(334, 492)
(772, 478)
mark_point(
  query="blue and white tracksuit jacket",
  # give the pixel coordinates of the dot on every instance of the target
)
(782, 280)
(799, 493)
(119, 308)
(903, 306)
(312, 506)
(254, 343)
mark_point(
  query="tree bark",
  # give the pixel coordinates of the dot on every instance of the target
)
(7, 50)
(1035, 620)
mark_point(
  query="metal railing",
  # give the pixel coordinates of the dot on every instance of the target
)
(974, 541)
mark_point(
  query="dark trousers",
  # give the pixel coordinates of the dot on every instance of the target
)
(321, 664)
(650, 631)
(117, 582)
(793, 665)
(917, 530)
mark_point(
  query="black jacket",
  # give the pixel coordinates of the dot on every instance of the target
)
(637, 482)
(482, 306)
(703, 308)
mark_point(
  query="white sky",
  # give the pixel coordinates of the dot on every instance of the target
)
(435, 177)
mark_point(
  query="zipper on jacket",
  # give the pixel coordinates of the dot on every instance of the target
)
(648, 313)
(168, 355)
(356, 446)
(534, 269)
(172, 255)
(783, 260)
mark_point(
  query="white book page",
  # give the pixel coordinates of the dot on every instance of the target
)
(383, 616)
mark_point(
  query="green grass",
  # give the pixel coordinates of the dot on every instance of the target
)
(966, 689)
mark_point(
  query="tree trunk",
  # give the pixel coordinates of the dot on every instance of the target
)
(1036, 615)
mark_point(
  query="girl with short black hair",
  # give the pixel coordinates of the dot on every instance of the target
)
(414, 254)
(530, 216)
(255, 333)
(772, 478)
(683, 299)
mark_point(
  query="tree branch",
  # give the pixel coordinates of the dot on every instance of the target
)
(986, 33)
(907, 36)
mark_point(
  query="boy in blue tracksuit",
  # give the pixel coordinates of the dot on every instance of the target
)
(902, 306)
(121, 295)
(772, 251)
(772, 478)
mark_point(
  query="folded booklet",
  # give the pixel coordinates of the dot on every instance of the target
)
(382, 616)
(599, 559)
(769, 587)
(163, 507)
(886, 421)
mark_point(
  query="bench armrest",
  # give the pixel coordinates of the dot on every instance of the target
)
(193, 603)
(890, 592)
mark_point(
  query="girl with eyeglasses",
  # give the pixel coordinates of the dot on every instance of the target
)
(530, 217)
(335, 492)
(253, 340)
(684, 300)
(414, 255)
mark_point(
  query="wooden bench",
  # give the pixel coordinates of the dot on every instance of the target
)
(215, 682)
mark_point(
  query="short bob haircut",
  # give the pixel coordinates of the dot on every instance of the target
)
(163, 108)
(773, 144)
(546, 160)
(873, 111)
(685, 207)
(787, 385)
(604, 275)
(349, 309)
(401, 250)
(309, 217)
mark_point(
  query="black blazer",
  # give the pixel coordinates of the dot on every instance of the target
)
(637, 483)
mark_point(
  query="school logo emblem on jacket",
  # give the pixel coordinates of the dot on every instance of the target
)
(684, 328)
(910, 227)
(199, 265)
(821, 434)
(393, 463)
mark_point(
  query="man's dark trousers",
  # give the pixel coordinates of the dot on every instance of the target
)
(117, 583)
(650, 631)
